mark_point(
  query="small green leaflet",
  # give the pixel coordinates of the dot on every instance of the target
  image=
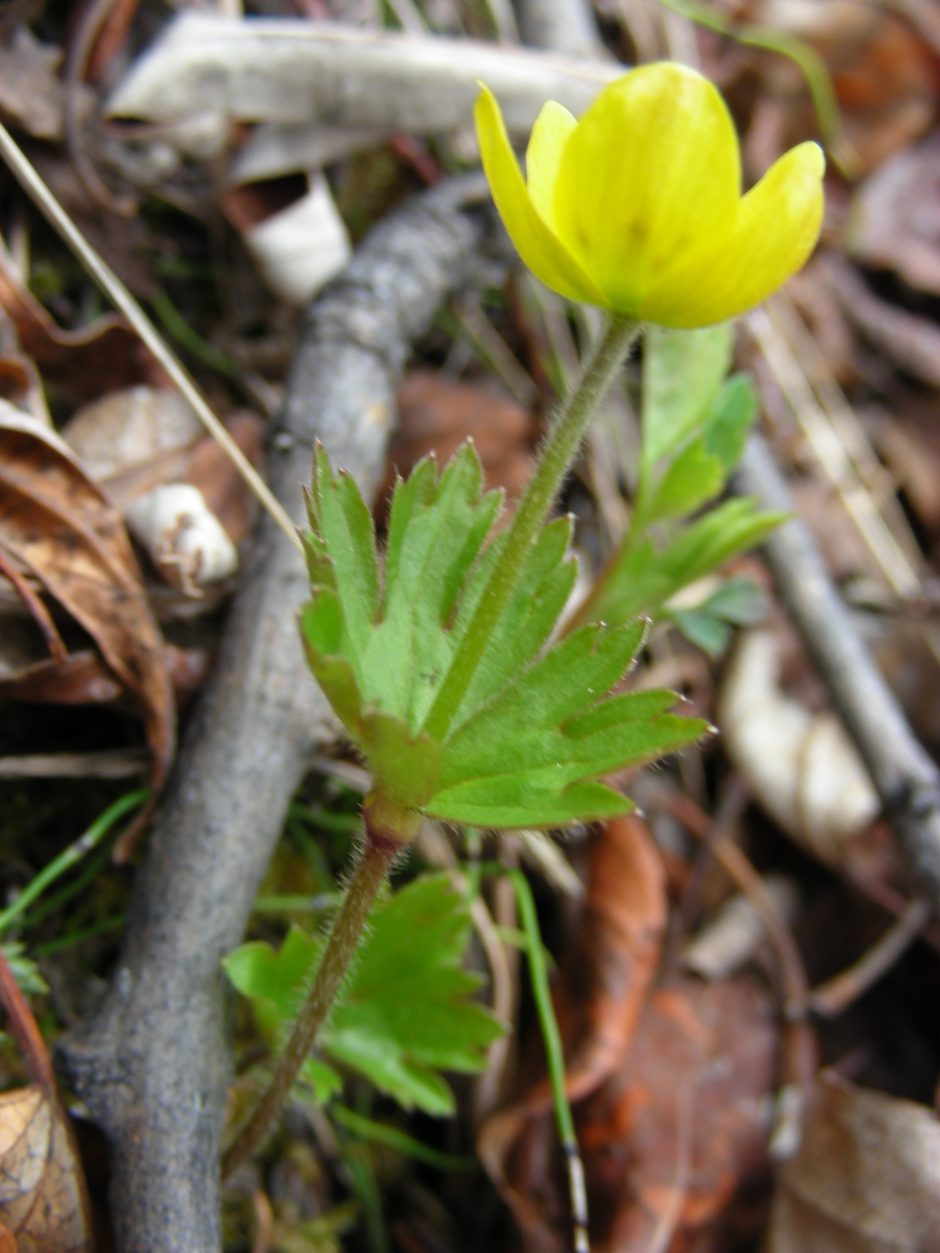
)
(682, 372)
(645, 577)
(517, 751)
(739, 602)
(407, 1011)
(695, 425)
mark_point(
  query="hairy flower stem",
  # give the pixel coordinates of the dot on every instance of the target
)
(375, 862)
(554, 461)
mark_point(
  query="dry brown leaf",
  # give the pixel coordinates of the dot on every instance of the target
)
(210, 469)
(895, 219)
(82, 678)
(31, 92)
(613, 962)
(7, 1240)
(129, 428)
(134, 441)
(42, 1198)
(683, 1126)
(62, 529)
(866, 1178)
(882, 70)
(87, 362)
(437, 414)
(668, 1139)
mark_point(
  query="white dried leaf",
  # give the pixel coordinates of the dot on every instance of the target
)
(802, 766)
(183, 538)
(128, 428)
(301, 248)
(290, 70)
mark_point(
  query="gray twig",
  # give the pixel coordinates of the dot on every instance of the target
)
(566, 26)
(154, 1063)
(904, 775)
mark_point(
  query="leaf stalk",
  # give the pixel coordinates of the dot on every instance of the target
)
(378, 855)
(554, 461)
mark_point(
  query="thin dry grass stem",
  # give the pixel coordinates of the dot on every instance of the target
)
(115, 290)
(494, 350)
(798, 1052)
(838, 442)
(836, 995)
(793, 980)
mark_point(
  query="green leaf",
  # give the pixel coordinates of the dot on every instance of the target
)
(738, 602)
(508, 756)
(396, 641)
(694, 477)
(24, 970)
(699, 471)
(682, 372)
(703, 630)
(531, 756)
(730, 420)
(275, 984)
(407, 1011)
(343, 544)
(643, 579)
(407, 763)
(572, 676)
(321, 629)
(435, 535)
(530, 799)
(543, 589)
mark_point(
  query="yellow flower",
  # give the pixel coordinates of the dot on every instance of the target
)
(637, 207)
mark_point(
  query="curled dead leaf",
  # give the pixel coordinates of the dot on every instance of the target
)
(801, 766)
(184, 540)
(57, 524)
(866, 1178)
(42, 1198)
(86, 362)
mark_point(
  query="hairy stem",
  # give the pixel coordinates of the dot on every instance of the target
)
(372, 869)
(555, 459)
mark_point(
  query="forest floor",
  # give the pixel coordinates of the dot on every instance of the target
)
(746, 970)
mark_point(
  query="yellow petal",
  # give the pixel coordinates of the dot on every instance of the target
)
(550, 133)
(776, 228)
(651, 170)
(539, 248)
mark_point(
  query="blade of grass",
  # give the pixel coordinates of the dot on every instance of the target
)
(400, 1141)
(78, 849)
(548, 1024)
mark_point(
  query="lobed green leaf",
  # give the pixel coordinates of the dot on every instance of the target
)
(407, 1011)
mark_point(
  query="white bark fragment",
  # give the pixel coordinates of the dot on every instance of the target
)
(184, 540)
(290, 71)
(300, 249)
(802, 766)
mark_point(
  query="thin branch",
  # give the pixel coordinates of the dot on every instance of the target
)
(904, 775)
(566, 26)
